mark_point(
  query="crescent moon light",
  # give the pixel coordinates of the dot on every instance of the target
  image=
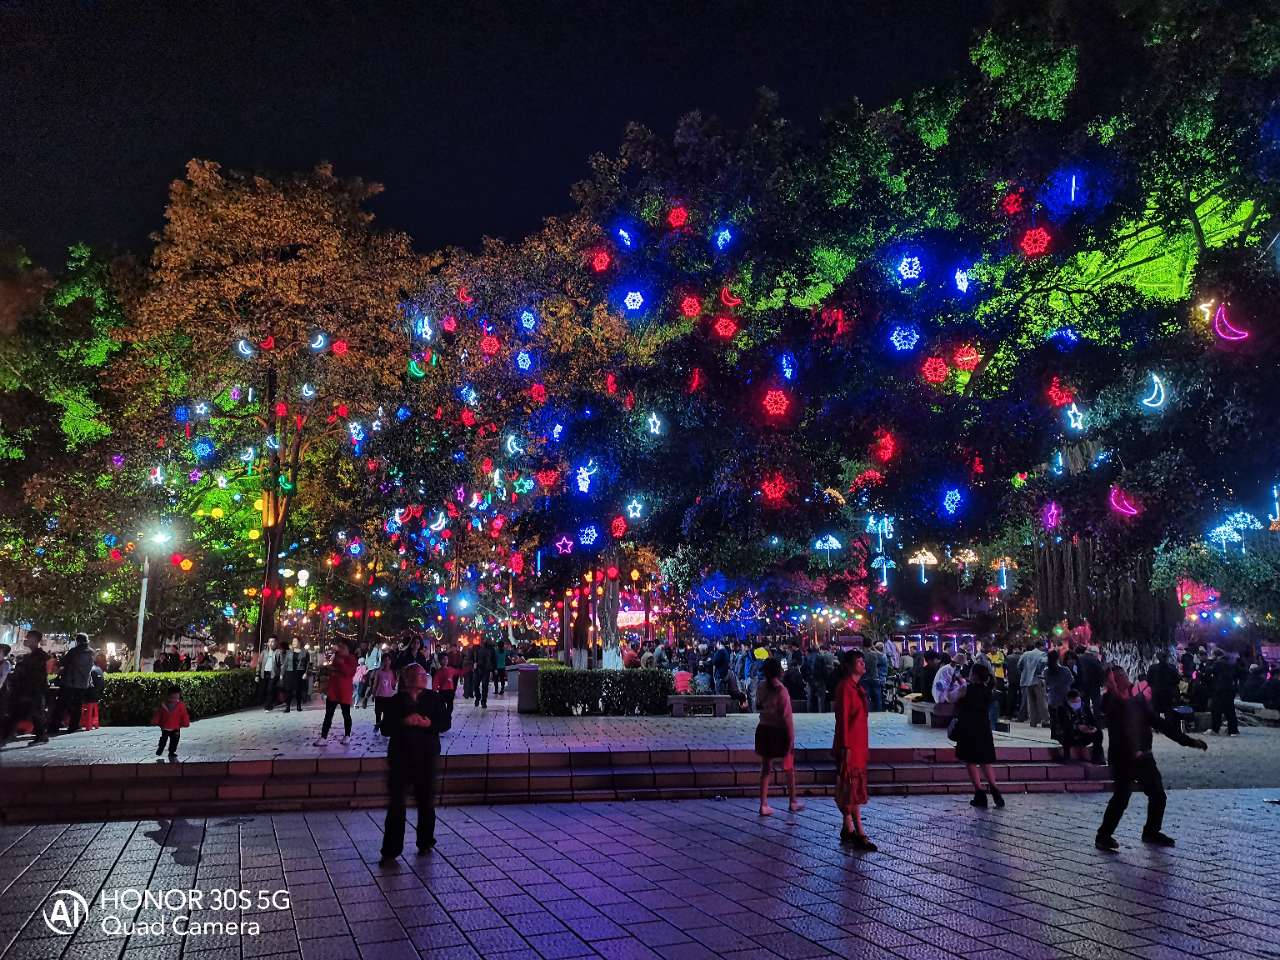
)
(1223, 328)
(727, 297)
(319, 342)
(1121, 503)
(244, 348)
(308, 391)
(465, 297)
(415, 370)
(1158, 394)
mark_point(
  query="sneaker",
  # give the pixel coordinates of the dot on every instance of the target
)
(346, 738)
(1158, 839)
(979, 800)
(1106, 844)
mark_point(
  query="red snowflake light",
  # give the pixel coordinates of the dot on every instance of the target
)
(618, 527)
(450, 323)
(1060, 395)
(774, 487)
(600, 261)
(1035, 241)
(977, 465)
(342, 410)
(468, 418)
(489, 345)
(967, 357)
(339, 348)
(691, 306)
(725, 327)
(776, 402)
(1012, 203)
(833, 322)
(538, 393)
(516, 563)
(935, 370)
(885, 447)
(678, 217)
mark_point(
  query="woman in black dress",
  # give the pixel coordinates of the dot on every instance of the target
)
(972, 733)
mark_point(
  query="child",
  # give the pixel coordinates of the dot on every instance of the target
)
(171, 716)
(445, 682)
(362, 671)
(384, 691)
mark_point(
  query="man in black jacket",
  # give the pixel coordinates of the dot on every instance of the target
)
(75, 682)
(1130, 720)
(29, 686)
(414, 719)
(1163, 678)
(1222, 694)
(1089, 676)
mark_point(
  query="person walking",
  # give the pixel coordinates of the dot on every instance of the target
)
(414, 719)
(373, 662)
(384, 684)
(295, 664)
(445, 682)
(338, 693)
(269, 673)
(1031, 668)
(1130, 722)
(1222, 695)
(852, 749)
(76, 683)
(172, 718)
(483, 668)
(971, 731)
(500, 668)
(28, 684)
(776, 736)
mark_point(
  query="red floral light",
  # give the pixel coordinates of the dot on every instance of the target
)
(1035, 241)
(1012, 203)
(538, 393)
(774, 487)
(176, 559)
(486, 465)
(468, 418)
(450, 323)
(339, 348)
(547, 478)
(600, 261)
(776, 402)
(885, 447)
(282, 409)
(967, 357)
(611, 383)
(678, 217)
(618, 527)
(726, 327)
(935, 370)
(516, 563)
(611, 572)
(489, 345)
(691, 306)
(116, 555)
(343, 410)
(1058, 394)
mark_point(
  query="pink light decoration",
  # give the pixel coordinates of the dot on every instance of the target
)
(776, 403)
(1035, 242)
(1223, 328)
(1122, 504)
(1051, 515)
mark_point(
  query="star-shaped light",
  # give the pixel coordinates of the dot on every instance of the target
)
(634, 509)
(655, 424)
(1075, 417)
(564, 545)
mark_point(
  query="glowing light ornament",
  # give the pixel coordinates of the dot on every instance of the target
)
(1224, 534)
(935, 370)
(926, 559)
(202, 448)
(307, 391)
(513, 446)
(728, 299)
(584, 475)
(691, 306)
(449, 323)
(655, 424)
(634, 300)
(904, 338)
(723, 237)
(884, 565)
(909, 268)
(677, 217)
(882, 527)
(1002, 566)
(967, 358)
(624, 237)
(1051, 515)
(564, 546)
(588, 535)
(634, 509)
(787, 364)
(951, 501)
(157, 476)
(1035, 242)
(319, 341)
(523, 360)
(828, 543)
(490, 345)
(725, 327)
(422, 326)
(339, 348)
(1058, 394)
(1222, 327)
(528, 320)
(245, 349)
(1122, 503)
(600, 261)
(776, 402)
(962, 281)
(1156, 399)
(538, 393)
(441, 521)
(1242, 520)
(774, 487)
(1075, 417)
(1012, 203)
(965, 557)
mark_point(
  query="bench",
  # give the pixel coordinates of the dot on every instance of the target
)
(934, 714)
(719, 703)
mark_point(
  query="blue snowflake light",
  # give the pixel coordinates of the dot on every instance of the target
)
(904, 338)
(909, 268)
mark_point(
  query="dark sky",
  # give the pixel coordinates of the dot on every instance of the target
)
(476, 115)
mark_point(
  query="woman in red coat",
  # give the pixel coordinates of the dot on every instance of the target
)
(338, 693)
(851, 749)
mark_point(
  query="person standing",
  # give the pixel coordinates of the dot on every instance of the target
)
(414, 719)
(500, 668)
(338, 693)
(975, 746)
(445, 682)
(269, 673)
(1130, 721)
(721, 661)
(29, 688)
(852, 749)
(1031, 669)
(1089, 677)
(373, 661)
(1163, 677)
(384, 684)
(776, 736)
(76, 682)
(1058, 679)
(469, 669)
(1222, 694)
(172, 718)
(295, 664)
(1012, 683)
(483, 668)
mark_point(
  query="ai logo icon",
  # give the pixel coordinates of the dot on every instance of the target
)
(65, 911)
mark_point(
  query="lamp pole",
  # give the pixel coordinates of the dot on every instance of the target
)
(142, 610)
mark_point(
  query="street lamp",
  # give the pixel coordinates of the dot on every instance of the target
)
(159, 538)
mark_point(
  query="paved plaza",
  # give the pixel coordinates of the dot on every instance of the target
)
(690, 880)
(1249, 760)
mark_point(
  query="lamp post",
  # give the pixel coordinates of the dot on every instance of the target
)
(159, 538)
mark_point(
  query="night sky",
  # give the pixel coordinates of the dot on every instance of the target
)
(476, 116)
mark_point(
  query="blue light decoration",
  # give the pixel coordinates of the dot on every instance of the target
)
(528, 320)
(356, 548)
(319, 342)
(556, 431)
(1075, 418)
(633, 300)
(584, 475)
(910, 268)
(882, 527)
(513, 446)
(181, 414)
(1067, 190)
(884, 565)
(588, 535)
(827, 543)
(469, 395)
(951, 500)
(723, 237)
(203, 448)
(654, 422)
(635, 509)
(1065, 338)
(721, 607)
(1225, 533)
(787, 365)
(962, 281)
(904, 338)
(1057, 465)
(624, 237)
(245, 349)
(403, 413)
(523, 360)
(110, 539)
(1158, 396)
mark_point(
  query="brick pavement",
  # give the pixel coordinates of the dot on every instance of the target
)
(1250, 760)
(683, 881)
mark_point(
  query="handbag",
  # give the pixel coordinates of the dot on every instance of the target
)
(951, 729)
(772, 743)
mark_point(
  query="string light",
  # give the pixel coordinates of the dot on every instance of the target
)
(691, 306)
(962, 281)
(909, 268)
(635, 508)
(655, 424)
(1075, 417)
(1035, 242)
(723, 238)
(528, 320)
(1058, 394)
(726, 326)
(776, 402)
(1156, 399)
(677, 217)
(600, 261)
(967, 358)
(588, 535)
(1223, 328)
(904, 338)
(523, 360)
(951, 501)
(935, 370)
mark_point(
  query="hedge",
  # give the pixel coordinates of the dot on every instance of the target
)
(563, 693)
(129, 699)
(546, 663)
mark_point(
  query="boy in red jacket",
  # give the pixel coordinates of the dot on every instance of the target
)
(171, 716)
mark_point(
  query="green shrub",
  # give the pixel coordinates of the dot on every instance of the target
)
(546, 663)
(563, 692)
(129, 699)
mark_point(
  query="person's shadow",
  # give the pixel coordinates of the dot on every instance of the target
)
(181, 836)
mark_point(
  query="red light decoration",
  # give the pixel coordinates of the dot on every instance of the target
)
(978, 466)
(776, 402)
(691, 306)
(967, 357)
(1035, 242)
(1012, 203)
(1058, 394)
(935, 370)
(538, 393)
(885, 447)
(282, 409)
(269, 343)
(176, 559)
(611, 383)
(678, 217)
(726, 327)
(867, 478)
(696, 380)
(618, 527)
(486, 465)
(116, 555)
(547, 478)
(629, 401)
(600, 261)
(774, 487)
(468, 418)
(516, 563)
(727, 297)
(343, 410)
(611, 573)
(833, 322)
(465, 297)
(450, 323)
(339, 348)
(489, 345)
